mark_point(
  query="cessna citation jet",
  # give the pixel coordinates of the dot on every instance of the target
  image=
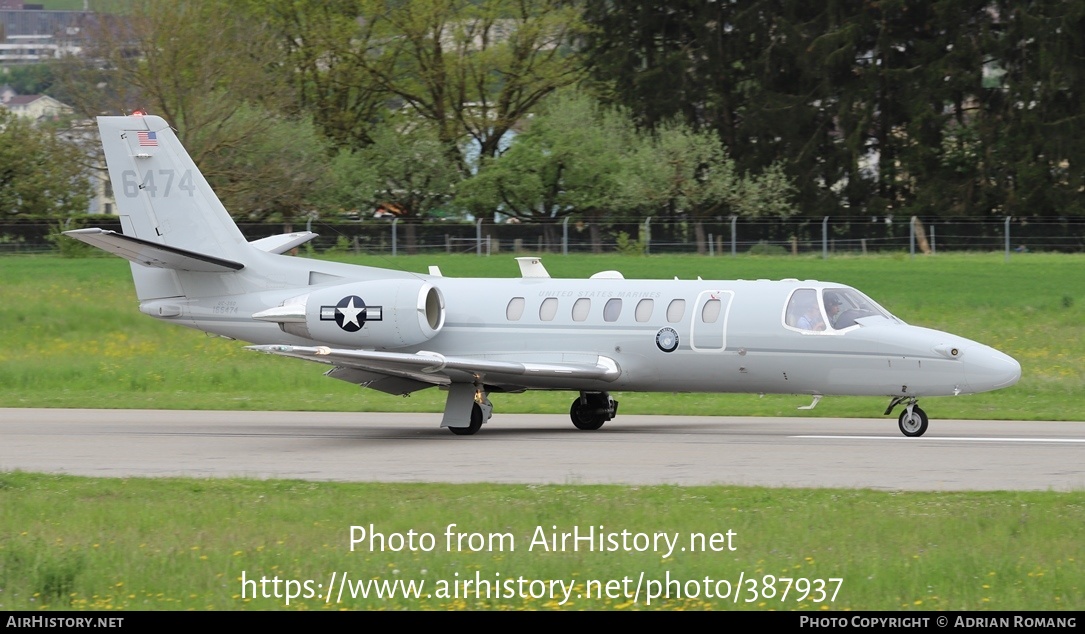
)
(399, 332)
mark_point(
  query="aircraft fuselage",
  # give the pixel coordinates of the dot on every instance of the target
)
(746, 346)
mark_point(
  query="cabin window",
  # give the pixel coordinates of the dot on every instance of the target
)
(710, 312)
(581, 308)
(676, 310)
(612, 309)
(644, 309)
(548, 309)
(803, 311)
(515, 310)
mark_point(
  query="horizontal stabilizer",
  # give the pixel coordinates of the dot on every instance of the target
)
(282, 243)
(152, 254)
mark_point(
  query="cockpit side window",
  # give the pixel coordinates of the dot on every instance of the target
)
(803, 311)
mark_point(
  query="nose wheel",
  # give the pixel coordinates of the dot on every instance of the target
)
(912, 421)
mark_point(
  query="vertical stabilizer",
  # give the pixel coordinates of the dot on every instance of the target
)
(162, 198)
(162, 193)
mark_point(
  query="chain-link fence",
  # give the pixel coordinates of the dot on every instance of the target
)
(724, 236)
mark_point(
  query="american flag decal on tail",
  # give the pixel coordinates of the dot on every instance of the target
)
(148, 139)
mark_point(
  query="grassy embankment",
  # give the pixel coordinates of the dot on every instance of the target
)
(74, 338)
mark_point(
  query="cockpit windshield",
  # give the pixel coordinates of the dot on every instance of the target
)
(830, 309)
(845, 306)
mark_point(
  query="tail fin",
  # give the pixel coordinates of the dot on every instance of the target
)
(172, 219)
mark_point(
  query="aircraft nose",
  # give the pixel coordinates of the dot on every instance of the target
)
(988, 369)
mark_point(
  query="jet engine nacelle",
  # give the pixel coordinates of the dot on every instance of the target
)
(378, 314)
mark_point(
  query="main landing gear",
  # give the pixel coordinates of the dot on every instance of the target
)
(477, 418)
(913, 420)
(591, 409)
(588, 412)
(466, 402)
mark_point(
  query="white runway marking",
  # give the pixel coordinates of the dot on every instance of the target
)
(905, 438)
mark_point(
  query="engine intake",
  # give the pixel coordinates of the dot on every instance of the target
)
(377, 315)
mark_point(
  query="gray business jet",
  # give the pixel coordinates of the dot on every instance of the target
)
(399, 332)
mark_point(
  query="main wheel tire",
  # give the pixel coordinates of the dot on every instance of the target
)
(476, 423)
(913, 425)
(584, 417)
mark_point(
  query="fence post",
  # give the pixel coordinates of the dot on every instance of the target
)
(394, 221)
(647, 235)
(565, 236)
(911, 237)
(478, 237)
(734, 244)
(1008, 218)
(711, 246)
(825, 238)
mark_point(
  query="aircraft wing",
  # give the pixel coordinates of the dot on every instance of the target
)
(402, 373)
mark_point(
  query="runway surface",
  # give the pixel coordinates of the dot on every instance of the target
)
(512, 448)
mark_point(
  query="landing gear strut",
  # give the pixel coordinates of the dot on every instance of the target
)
(591, 409)
(913, 420)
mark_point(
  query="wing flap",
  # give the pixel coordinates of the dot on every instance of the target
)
(153, 254)
(396, 385)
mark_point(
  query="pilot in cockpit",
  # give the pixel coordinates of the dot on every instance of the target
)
(832, 307)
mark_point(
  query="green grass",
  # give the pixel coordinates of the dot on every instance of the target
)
(73, 337)
(86, 543)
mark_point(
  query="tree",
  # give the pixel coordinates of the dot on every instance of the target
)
(277, 174)
(405, 168)
(1031, 124)
(323, 44)
(472, 68)
(741, 70)
(214, 70)
(40, 174)
(686, 172)
(947, 107)
(569, 159)
(29, 79)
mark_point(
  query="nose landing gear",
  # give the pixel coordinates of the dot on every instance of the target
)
(913, 420)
